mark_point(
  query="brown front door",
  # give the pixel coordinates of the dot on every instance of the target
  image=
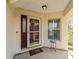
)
(23, 31)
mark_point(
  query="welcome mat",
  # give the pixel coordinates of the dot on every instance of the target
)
(35, 51)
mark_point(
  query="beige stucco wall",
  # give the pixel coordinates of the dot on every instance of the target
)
(10, 40)
(17, 24)
(13, 25)
(45, 32)
(63, 42)
(44, 19)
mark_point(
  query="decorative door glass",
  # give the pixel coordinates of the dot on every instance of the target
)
(34, 31)
(24, 24)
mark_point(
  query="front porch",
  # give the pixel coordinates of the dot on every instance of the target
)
(29, 29)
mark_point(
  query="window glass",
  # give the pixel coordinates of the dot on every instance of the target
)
(54, 29)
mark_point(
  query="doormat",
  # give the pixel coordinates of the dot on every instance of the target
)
(35, 51)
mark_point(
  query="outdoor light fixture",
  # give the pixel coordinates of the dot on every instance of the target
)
(44, 7)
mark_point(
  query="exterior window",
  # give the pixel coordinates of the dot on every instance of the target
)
(54, 29)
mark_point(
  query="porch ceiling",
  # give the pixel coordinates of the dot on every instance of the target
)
(35, 5)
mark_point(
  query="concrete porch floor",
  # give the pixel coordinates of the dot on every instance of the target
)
(46, 54)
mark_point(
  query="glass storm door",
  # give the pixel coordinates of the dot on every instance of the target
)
(33, 32)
